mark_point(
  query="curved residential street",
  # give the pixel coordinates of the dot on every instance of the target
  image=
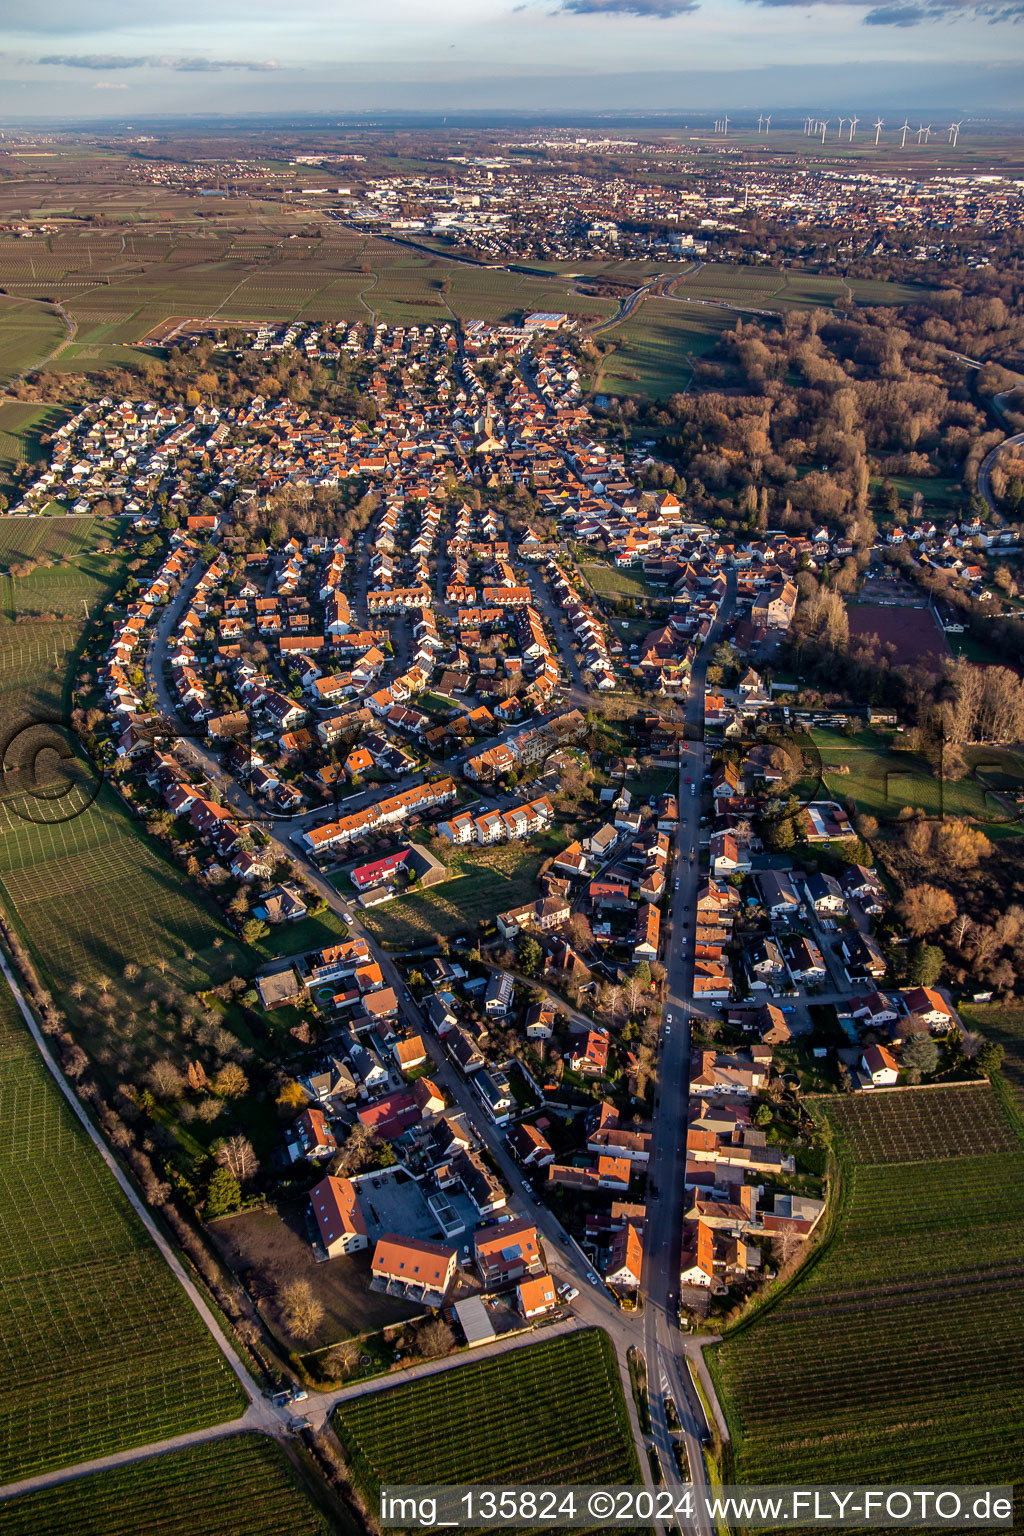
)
(652, 1327)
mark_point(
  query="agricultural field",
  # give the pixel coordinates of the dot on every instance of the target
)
(915, 634)
(77, 565)
(242, 1486)
(655, 345)
(483, 881)
(29, 332)
(22, 426)
(91, 894)
(721, 283)
(103, 1344)
(118, 296)
(551, 1413)
(1003, 1023)
(34, 660)
(899, 1354)
(872, 1130)
(883, 780)
(771, 288)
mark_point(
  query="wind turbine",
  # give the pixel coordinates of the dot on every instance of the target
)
(928, 133)
(853, 124)
(823, 127)
(842, 120)
(920, 132)
(725, 126)
(760, 120)
(879, 125)
(904, 130)
(767, 123)
(954, 132)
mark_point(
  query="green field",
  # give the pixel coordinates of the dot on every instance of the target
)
(550, 1413)
(882, 780)
(1003, 1023)
(608, 581)
(655, 345)
(79, 561)
(91, 894)
(941, 494)
(764, 287)
(101, 1343)
(308, 933)
(28, 333)
(899, 1354)
(22, 424)
(33, 665)
(484, 881)
(242, 1486)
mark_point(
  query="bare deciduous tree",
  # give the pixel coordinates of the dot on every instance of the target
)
(303, 1312)
(237, 1156)
(924, 908)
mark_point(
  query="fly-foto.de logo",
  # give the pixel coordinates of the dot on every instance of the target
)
(47, 774)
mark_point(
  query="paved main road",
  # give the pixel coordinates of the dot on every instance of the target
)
(664, 1345)
(654, 1329)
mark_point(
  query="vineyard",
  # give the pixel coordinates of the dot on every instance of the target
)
(244, 1486)
(1003, 1023)
(904, 1128)
(900, 1354)
(91, 894)
(102, 1344)
(550, 1413)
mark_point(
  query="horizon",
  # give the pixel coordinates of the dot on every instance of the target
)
(532, 56)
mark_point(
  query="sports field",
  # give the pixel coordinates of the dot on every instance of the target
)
(915, 635)
(551, 1413)
(99, 1345)
(882, 780)
(243, 1486)
(899, 1355)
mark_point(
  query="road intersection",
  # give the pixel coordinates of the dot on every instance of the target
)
(653, 1327)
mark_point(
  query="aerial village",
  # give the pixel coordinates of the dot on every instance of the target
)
(331, 723)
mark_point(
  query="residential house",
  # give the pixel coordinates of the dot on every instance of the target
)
(880, 1067)
(413, 1268)
(509, 1251)
(339, 1220)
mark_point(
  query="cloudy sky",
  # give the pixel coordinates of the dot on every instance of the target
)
(131, 57)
